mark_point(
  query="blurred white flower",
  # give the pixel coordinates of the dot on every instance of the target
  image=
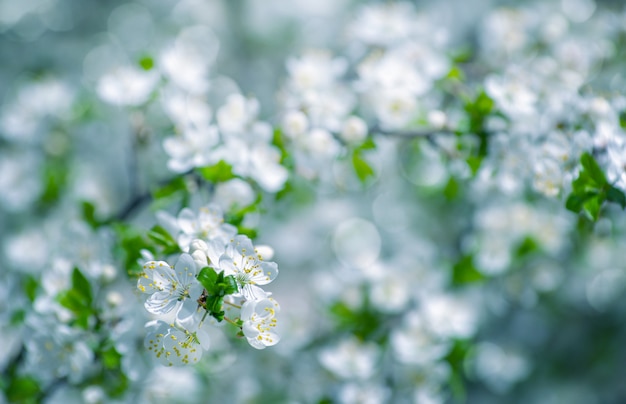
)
(234, 194)
(295, 124)
(237, 115)
(314, 70)
(187, 111)
(20, 182)
(369, 393)
(450, 316)
(415, 344)
(354, 130)
(500, 369)
(384, 24)
(55, 351)
(350, 359)
(186, 67)
(127, 86)
(194, 148)
(207, 225)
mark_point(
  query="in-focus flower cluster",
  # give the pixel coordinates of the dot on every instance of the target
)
(219, 278)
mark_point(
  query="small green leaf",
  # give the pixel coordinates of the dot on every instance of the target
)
(207, 278)
(362, 169)
(163, 239)
(526, 247)
(17, 318)
(368, 144)
(474, 163)
(23, 390)
(230, 285)
(82, 286)
(89, 214)
(616, 195)
(456, 73)
(55, 179)
(456, 358)
(176, 185)
(115, 383)
(217, 286)
(362, 322)
(451, 189)
(220, 172)
(464, 272)
(622, 119)
(111, 359)
(78, 299)
(575, 202)
(591, 189)
(594, 170)
(130, 242)
(477, 111)
(247, 231)
(30, 286)
(146, 62)
(592, 207)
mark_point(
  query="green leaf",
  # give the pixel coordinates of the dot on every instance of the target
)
(30, 286)
(207, 278)
(111, 359)
(477, 111)
(591, 189)
(23, 390)
(72, 300)
(82, 286)
(115, 383)
(17, 318)
(362, 322)
(451, 190)
(247, 231)
(575, 201)
(464, 272)
(362, 169)
(220, 172)
(456, 359)
(368, 144)
(456, 73)
(217, 286)
(622, 119)
(238, 213)
(592, 207)
(526, 247)
(78, 299)
(593, 169)
(474, 163)
(89, 214)
(617, 196)
(55, 180)
(163, 239)
(230, 285)
(130, 242)
(173, 187)
(146, 62)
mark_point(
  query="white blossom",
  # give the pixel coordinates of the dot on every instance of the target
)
(171, 288)
(259, 322)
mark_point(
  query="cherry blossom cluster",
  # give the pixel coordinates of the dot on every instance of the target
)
(180, 78)
(217, 278)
